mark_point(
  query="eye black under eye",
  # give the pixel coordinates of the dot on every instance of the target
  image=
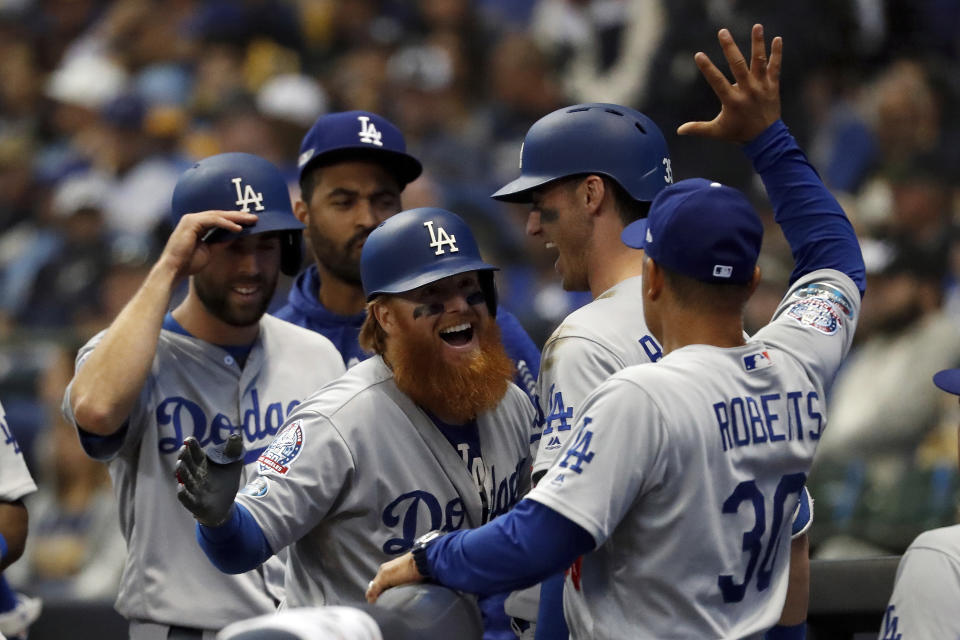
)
(476, 297)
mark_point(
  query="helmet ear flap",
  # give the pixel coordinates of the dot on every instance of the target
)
(489, 288)
(291, 252)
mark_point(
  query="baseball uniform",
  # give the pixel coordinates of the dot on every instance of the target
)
(927, 589)
(360, 471)
(718, 443)
(591, 344)
(195, 388)
(15, 480)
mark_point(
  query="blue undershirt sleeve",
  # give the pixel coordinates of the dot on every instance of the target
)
(514, 551)
(814, 224)
(236, 546)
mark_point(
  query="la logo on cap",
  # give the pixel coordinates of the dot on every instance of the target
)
(440, 238)
(368, 132)
(246, 196)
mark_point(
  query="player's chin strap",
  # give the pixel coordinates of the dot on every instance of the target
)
(209, 481)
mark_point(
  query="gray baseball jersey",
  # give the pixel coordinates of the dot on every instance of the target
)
(15, 480)
(360, 471)
(686, 474)
(927, 589)
(197, 389)
(591, 344)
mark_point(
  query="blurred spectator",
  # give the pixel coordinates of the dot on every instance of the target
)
(870, 481)
(75, 550)
(65, 287)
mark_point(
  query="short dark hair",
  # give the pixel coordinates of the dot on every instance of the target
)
(629, 209)
(708, 296)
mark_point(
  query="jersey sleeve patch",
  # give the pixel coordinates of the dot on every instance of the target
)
(281, 453)
(820, 307)
(256, 488)
(827, 293)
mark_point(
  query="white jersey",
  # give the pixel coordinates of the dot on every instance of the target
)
(927, 589)
(687, 474)
(15, 480)
(360, 471)
(592, 343)
(195, 388)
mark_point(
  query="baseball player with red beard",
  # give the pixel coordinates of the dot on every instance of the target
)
(680, 478)
(427, 434)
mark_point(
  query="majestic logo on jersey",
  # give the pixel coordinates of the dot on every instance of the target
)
(410, 510)
(755, 361)
(553, 444)
(368, 132)
(817, 313)
(439, 238)
(284, 450)
(247, 196)
(178, 417)
(256, 488)
(826, 292)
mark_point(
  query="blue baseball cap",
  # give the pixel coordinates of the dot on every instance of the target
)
(348, 135)
(700, 229)
(948, 380)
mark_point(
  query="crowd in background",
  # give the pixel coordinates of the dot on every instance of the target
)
(103, 105)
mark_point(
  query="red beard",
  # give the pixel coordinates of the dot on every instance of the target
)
(458, 392)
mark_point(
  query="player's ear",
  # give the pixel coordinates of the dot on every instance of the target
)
(755, 280)
(592, 190)
(653, 280)
(300, 210)
(386, 315)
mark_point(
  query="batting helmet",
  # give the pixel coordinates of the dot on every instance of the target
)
(420, 246)
(347, 135)
(605, 139)
(242, 182)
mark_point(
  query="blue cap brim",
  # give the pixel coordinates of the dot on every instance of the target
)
(268, 221)
(634, 235)
(519, 190)
(948, 380)
(438, 272)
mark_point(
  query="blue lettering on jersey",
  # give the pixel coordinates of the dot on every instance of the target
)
(408, 509)
(186, 418)
(8, 439)
(579, 449)
(743, 421)
(890, 623)
(651, 348)
(558, 413)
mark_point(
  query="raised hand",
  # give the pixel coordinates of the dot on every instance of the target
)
(752, 103)
(185, 252)
(209, 483)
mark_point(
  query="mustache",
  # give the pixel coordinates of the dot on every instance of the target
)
(357, 239)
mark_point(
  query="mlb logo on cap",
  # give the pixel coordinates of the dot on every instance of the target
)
(700, 229)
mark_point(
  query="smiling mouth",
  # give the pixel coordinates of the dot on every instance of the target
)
(550, 245)
(247, 290)
(457, 335)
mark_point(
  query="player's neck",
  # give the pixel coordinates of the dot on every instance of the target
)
(203, 325)
(611, 264)
(690, 326)
(339, 296)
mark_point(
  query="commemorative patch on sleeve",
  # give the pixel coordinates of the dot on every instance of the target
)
(820, 306)
(256, 488)
(282, 451)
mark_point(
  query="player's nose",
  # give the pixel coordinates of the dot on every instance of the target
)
(533, 223)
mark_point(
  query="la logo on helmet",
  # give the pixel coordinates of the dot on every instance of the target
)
(368, 132)
(440, 238)
(246, 195)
